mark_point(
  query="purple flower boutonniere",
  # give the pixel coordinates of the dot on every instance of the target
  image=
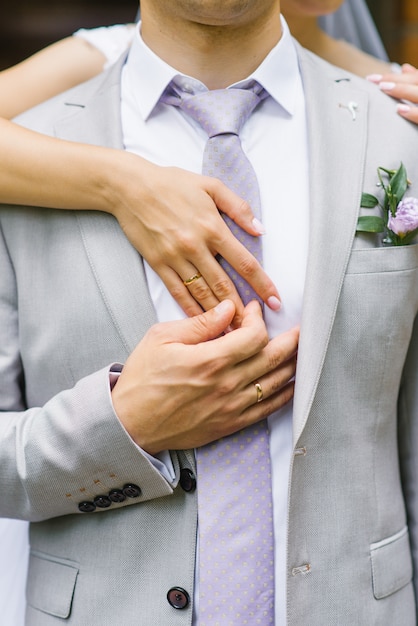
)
(399, 221)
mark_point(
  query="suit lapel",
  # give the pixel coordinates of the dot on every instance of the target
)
(116, 266)
(337, 145)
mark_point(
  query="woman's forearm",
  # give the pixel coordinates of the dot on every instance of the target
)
(153, 205)
(54, 69)
(37, 170)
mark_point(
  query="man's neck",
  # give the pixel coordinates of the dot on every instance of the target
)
(216, 54)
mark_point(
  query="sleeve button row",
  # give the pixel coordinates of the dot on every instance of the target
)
(115, 496)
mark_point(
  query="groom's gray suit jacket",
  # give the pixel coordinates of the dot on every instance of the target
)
(73, 299)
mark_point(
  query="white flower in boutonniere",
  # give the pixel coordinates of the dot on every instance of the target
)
(399, 221)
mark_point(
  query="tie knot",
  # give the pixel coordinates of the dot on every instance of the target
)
(220, 111)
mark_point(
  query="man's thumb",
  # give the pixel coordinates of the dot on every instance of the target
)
(208, 325)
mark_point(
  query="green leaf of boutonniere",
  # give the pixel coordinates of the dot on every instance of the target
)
(368, 201)
(370, 224)
(399, 214)
(395, 188)
(399, 183)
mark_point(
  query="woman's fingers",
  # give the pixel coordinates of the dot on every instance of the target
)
(401, 91)
(247, 266)
(202, 277)
(194, 291)
(409, 112)
(403, 87)
(205, 294)
(235, 207)
(180, 229)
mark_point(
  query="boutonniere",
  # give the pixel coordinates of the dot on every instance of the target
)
(399, 220)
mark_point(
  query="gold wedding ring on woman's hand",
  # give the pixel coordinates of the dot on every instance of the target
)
(259, 391)
(191, 280)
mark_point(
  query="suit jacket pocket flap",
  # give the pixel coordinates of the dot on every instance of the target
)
(391, 564)
(51, 584)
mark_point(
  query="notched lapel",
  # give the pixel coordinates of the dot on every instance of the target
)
(116, 266)
(337, 130)
(91, 112)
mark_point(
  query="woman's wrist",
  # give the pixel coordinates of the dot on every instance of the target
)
(123, 182)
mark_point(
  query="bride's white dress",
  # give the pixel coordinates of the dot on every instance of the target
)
(14, 548)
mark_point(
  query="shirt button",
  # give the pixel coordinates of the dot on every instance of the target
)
(187, 480)
(87, 507)
(103, 502)
(131, 491)
(178, 598)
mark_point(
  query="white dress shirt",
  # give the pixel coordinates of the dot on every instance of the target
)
(275, 141)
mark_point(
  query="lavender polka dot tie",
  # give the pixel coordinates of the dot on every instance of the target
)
(236, 584)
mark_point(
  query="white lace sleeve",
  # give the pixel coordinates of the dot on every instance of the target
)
(110, 40)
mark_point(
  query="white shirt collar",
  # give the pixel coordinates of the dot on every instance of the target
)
(148, 76)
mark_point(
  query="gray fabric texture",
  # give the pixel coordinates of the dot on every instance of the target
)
(73, 298)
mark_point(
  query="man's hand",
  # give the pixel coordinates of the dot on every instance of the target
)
(185, 385)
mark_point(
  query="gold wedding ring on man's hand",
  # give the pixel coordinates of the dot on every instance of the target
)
(259, 391)
(191, 280)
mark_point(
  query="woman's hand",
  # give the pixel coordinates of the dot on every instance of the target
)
(170, 215)
(404, 87)
(172, 218)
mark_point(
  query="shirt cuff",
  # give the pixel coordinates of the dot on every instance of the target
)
(162, 461)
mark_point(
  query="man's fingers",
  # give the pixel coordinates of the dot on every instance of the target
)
(197, 329)
(271, 383)
(262, 410)
(276, 354)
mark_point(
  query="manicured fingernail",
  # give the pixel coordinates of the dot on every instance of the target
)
(374, 78)
(384, 86)
(403, 108)
(274, 303)
(258, 226)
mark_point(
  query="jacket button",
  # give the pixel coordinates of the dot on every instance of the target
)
(131, 491)
(187, 480)
(103, 502)
(178, 598)
(117, 495)
(87, 507)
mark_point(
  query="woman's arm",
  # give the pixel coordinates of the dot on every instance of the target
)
(43, 171)
(47, 73)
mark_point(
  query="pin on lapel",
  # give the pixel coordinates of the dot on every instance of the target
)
(351, 107)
